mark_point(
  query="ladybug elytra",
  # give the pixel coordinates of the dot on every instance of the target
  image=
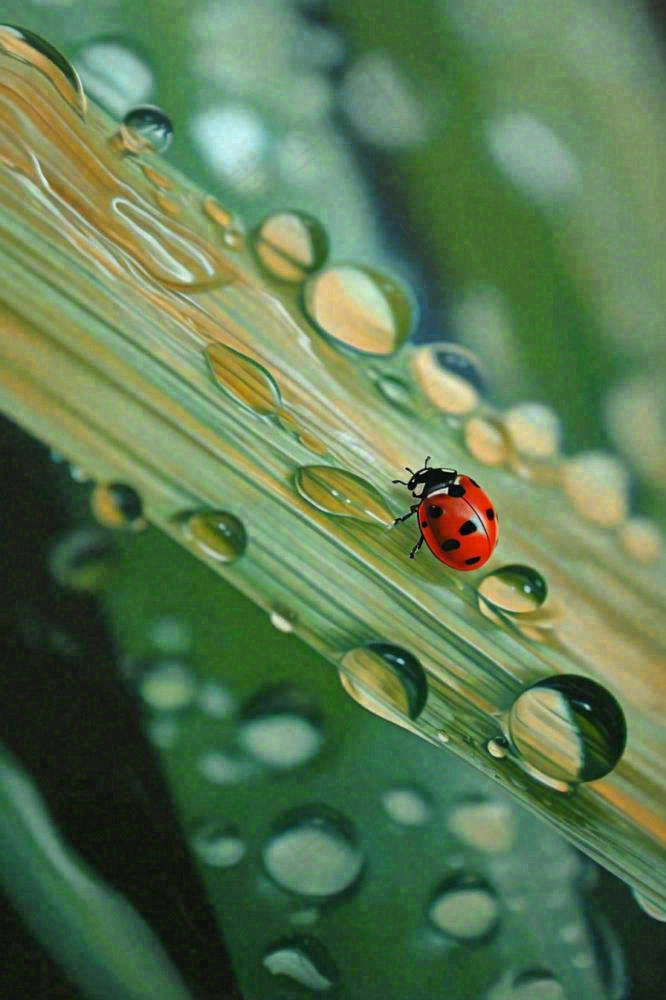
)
(457, 520)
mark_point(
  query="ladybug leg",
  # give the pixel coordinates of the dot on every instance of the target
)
(412, 510)
(416, 548)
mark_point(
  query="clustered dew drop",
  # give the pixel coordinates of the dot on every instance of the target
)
(118, 506)
(290, 245)
(216, 534)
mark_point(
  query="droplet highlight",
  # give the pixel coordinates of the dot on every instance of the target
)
(245, 380)
(341, 493)
(290, 245)
(389, 675)
(216, 534)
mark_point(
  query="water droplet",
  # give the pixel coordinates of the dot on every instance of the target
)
(487, 440)
(170, 635)
(167, 686)
(303, 960)
(310, 441)
(115, 75)
(234, 238)
(535, 430)
(642, 539)
(342, 493)
(497, 748)
(313, 851)
(358, 308)
(146, 129)
(283, 619)
(388, 674)
(654, 910)
(306, 917)
(216, 534)
(443, 737)
(465, 907)
(223, 768)
(219, 844)
(568, 728)
(598, 486)
(407, 806)
(636, 420)
(214, 700)
(514, 588)
(27, 47)
(233, 140)
(484, 824)
(449, 376)
(245, 380)
(290, 245)
(168, 205)
(394, 390)
(536, 984)
(382, 105)
(533, 156)
(281, 726)
(216, 212)
(84, 559)
(116, 505)
(163, 732)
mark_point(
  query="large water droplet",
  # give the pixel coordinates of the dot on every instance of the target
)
(168, 685)
(303, 960)
(116, 505)
(290, 245)
(245, 380)
(484, 824)
(146, 129)
(218, 844)
(216, 534)
(407, 806)
(449, 376)
(359, 308)
(535, 430)
(342, 493)
(84, 559)
(314, 852)
(387, 674)
(598, 486)
(568, 728)
(514, 588)
(465, 907)
(26, 46)
(281, 727)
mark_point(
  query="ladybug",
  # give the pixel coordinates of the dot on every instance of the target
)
(457, 520)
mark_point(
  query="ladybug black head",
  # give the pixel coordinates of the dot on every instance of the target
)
(427, 477)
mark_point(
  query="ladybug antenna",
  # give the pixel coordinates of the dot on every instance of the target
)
(409, 470)
(425, 464)
(399, 481)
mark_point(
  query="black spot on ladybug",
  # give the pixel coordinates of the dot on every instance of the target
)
(435, 511)
(474, 482)
(424, 524)
(450, 543)
(456, 490)
(474, 559)
(468, 528)
(490, 514)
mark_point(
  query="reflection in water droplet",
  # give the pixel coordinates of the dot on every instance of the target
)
(642, 539)
(283, 619)
(568, 728)
(281, 726)
(115, 75)
(535, 430)
(116, 505)
(652, 909)
(214, 700)
(342, 493)
(27, 47)
(146, 129)
(84, 559)
(465, 907)
(245, 380)
(497, 748)
(216, 534)
(167, 686)
(388, 674)
(407, 806)
(313, 851)
(449, 376)
(598, 486)
(514, 588)
(359, 308)
(487, 825)
(290, 245)
(218, 844)
(487, 440)
(303, 960)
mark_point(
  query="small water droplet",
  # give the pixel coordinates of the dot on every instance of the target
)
(535, 430)
(216, 534)
(281, 726)
(303, 960)
(568, 728)
(283, 619)
(449, 376)
(146, 129)
(443, 737)
(465, 907)
(216, 212)
(163, 732)
(157, 178)
(487, 440)
(245, 380)
(484, 824)
(306, 917)
(118, 506)
(167, 685)
(394, 390)
(341, 493)
(313, 851)
(407, 806)
(27, 47)
(218, 844)
(497, 748)
(84, 559)
(642, 539)
(234, 238)
(170, 635)
(214, 700)
(223, 768)
(514, 588)
(290, 245)
(389, 675)
(168, 205)
(598, 486)
(358, 308)
(654, 910)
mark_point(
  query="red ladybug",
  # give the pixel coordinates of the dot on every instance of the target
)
(457, 520)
